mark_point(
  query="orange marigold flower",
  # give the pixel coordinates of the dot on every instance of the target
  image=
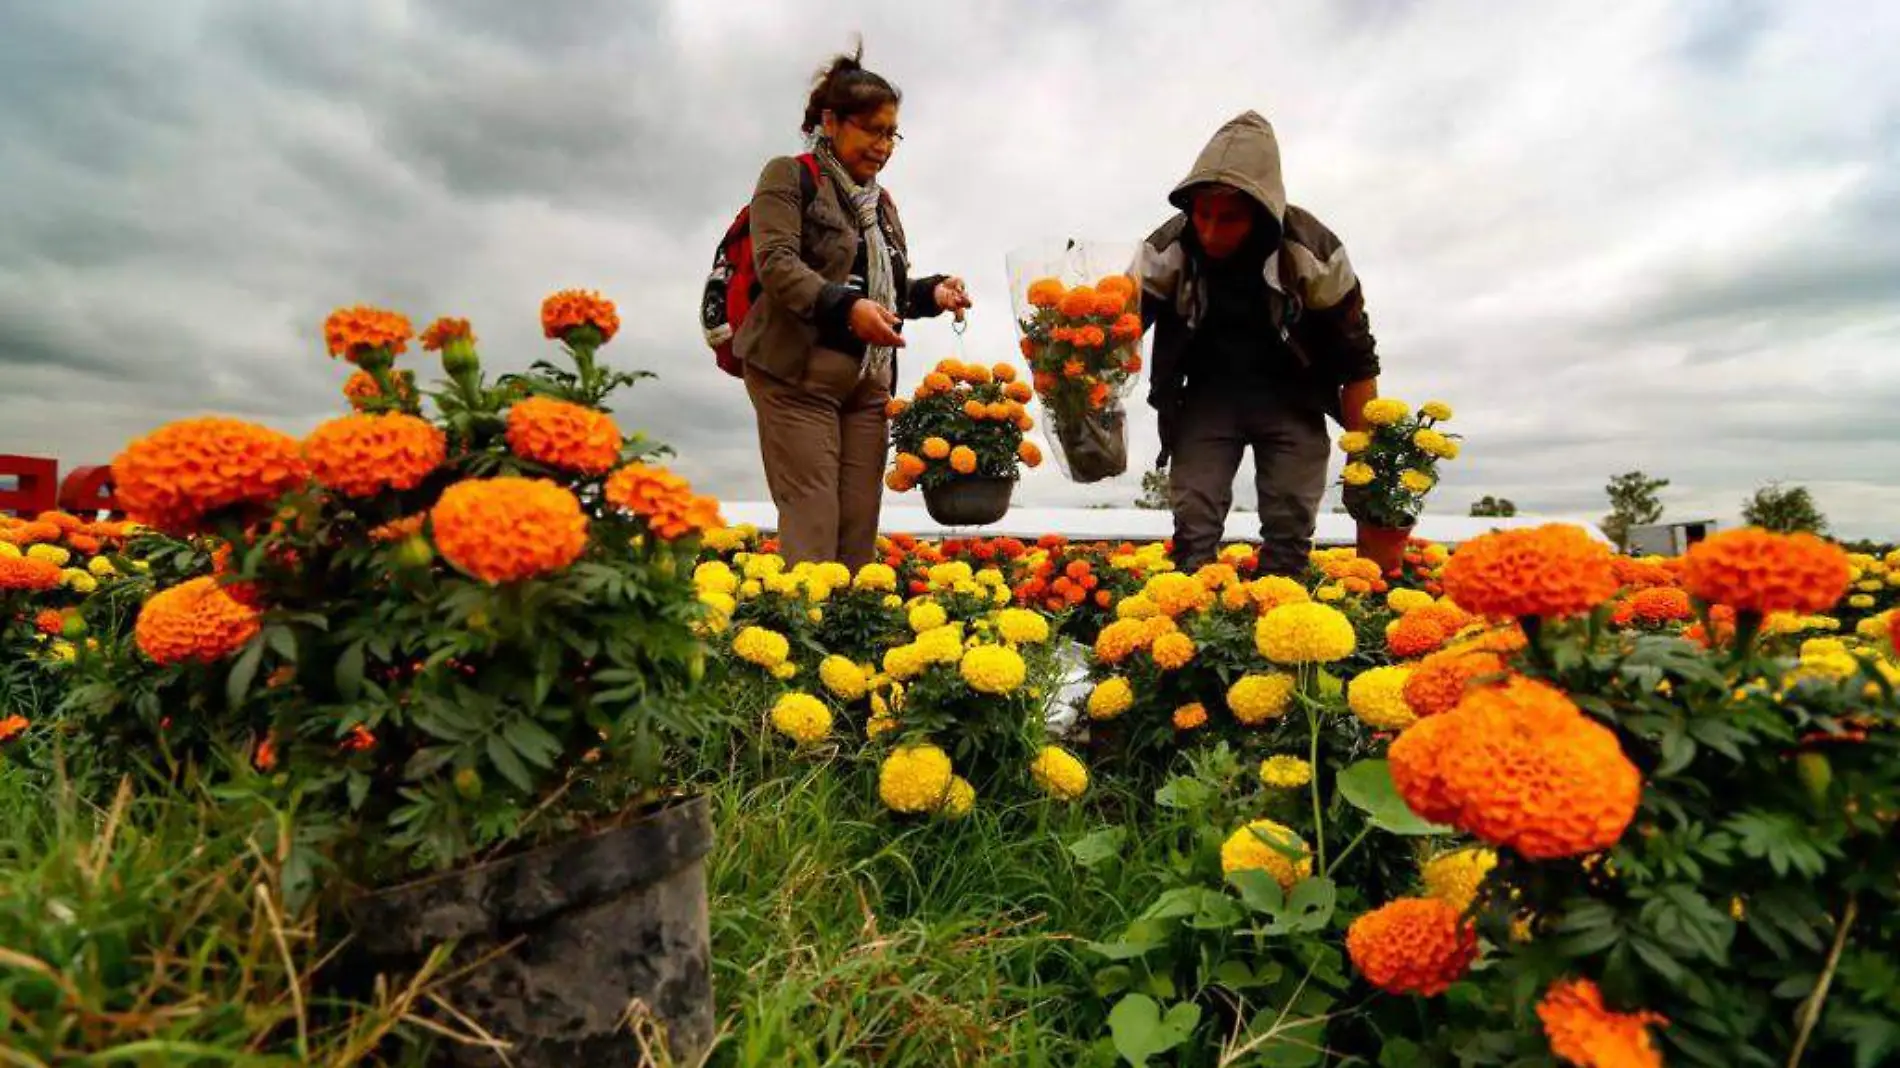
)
(895, 481)
(398, 529)
(1045, 293)
(1091, 337)
(1722, 617)
(1641, 573)
(49, 621)
(1584, 1032)
(665, 500)
(445, 330)
(349, 331)
(1045, 382)
(1073, 369)
(936, 448)
(24, 534)
(1753, 570)
(910, 466)
(358, 739)
(564, 436)
(1415, 945)
(1110, 305)
(895, 407)
(1000, 411)
(1190, 717)
(571, 308)
(976, 409)
(938, 382)
(65, 521)
(84, 543)
(363, 455)
(1005, 373)
(1077, 303)
(1132, 363)
(12, 727)
(963, 460)
(1520, 766)
(976, 374)
(506, 529)
(1029, 453)
(1548, 571)
(1414, 634)
(196, 621)
(1438, 682)
(1657, 605)
(1116, 283)
(1098, 395)
(182, 472)
(362, 388)
(266, 756)
(27, 573)
(1127, 328)
(1019, 392)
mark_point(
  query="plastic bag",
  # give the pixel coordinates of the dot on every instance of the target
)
(1078, 311)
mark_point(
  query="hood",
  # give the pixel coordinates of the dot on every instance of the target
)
(1242, 154)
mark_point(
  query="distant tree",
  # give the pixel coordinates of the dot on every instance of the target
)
(1494, 507)
(1633, 503)
(1154, 491)
(1784, 510)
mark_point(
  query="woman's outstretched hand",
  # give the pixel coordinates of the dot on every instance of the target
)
(874, 324)
(951, 296)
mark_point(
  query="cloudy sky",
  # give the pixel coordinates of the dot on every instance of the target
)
(1638, 235)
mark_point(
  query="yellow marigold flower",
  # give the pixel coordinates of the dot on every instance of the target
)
(9, 551)
(765, 648)
(1120, 639)
(1384, 411)
(715, 577)
(833, 574)
(1059, 773)
(1274, 848)
(1304, 634)
(802, 718)
(915, 778)
(842, 677)
(1255, 699)
(761, 566)
(877, 577)
(52, 554)
(1860, 600)
(1139, 606)
(904, 662)
(1331, 593)
(78, 581)
(1173, 651)
(993, 669)
(1020, 626)
(1357, 474)
(1403, 600)
(63, 651)
(1285, 772)
(100, 567)
(1275, 590)
(1455, 877)
(879, 725)
(1416, 481)
(1437, 410)
(1190, 717)
(961, 799)
(942, 645)
(785, 672)
(927, 615)
(1176, 594)
(722, 539)
(947, 575)
(1377, 697)
(1110, 698)
(1353, 442)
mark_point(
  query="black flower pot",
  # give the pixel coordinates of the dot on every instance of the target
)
(554, 947)
(969, 502)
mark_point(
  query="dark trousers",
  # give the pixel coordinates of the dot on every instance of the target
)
(1290, 446)
(824, 440)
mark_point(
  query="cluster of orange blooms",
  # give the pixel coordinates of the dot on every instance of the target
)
(362, 387)
(663, 499)
(176, 477)
(1519, 765)
(567, 437)
(1415, 945)
(1425, 629)
(953, 387)
(63, 528)
(197, 621)
(364, 455)
(571, 308)
(1546, 572)
(349, 332)
(1584, 1032)
(27, 574)
(1086, 335)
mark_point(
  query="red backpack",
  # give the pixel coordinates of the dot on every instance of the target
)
(732, 287)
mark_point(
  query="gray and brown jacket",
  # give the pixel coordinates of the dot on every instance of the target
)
(1314, 295)
(805, 245)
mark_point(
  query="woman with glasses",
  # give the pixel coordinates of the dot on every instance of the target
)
(820, 346)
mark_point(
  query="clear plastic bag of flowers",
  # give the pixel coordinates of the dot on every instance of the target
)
(1078, 310)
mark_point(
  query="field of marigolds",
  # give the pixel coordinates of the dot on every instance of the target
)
(980, 802)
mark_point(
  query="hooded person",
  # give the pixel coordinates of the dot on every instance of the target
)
(1260, 336)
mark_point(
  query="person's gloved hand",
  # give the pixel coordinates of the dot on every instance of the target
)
(1169, 412)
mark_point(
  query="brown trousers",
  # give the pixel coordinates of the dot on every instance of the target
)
(1290, 450)
(824, 440)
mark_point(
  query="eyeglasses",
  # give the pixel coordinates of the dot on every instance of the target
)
(892, 135)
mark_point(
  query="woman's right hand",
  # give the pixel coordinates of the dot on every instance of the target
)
(874, 324)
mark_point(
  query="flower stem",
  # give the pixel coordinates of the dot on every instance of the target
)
(1312, 760)
(1346, 852)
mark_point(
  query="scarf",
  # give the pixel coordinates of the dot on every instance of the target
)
(864, 200)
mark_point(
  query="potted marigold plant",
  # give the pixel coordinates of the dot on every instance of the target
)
(1392, 467)
(468, 641)
(1082, 339)
(960, 438)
